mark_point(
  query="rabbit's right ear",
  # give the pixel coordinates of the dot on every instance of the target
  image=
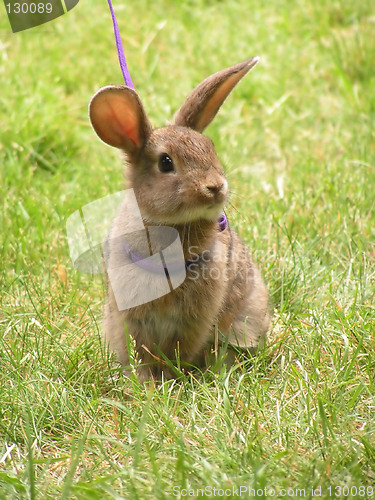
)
(118, 117)
(202, 104)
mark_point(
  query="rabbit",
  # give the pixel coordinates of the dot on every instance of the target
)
(179, 183)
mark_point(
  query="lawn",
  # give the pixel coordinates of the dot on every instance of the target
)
(296, 138)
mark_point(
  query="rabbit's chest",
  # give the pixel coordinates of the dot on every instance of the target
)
(185, 314)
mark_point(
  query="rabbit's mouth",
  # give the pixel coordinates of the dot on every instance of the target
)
(209, 213)
(185, 215)
(207, 209)
(205, 202)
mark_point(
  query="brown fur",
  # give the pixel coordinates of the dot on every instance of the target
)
(223, 289)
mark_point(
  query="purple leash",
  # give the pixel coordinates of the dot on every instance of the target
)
(120, 49)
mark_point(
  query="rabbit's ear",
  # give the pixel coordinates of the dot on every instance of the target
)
(202, 104)
(119, 119)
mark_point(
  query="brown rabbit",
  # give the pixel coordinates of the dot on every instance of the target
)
(178, 182)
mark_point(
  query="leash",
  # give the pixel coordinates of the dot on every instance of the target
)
(120, 49)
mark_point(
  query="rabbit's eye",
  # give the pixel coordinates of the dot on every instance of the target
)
(165, 163)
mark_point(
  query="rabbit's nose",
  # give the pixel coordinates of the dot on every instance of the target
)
(216, 191)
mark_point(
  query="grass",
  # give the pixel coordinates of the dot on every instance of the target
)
(297, 141)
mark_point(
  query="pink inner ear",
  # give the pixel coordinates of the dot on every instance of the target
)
(118, 118)
(213, 104)
(125, 121)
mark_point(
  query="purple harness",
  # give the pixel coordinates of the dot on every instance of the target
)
(147, 265)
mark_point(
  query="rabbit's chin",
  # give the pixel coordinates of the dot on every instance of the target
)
(188, 216)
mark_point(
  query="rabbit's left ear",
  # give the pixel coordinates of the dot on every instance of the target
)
(202, 104)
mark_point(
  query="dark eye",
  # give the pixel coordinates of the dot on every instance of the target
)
(165, 163)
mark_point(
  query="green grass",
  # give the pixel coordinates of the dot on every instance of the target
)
(297, 141)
